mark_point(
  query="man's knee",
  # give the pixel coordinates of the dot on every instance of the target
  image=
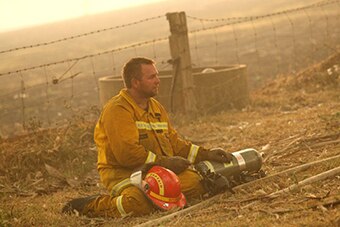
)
(191, 184)
(134, 201)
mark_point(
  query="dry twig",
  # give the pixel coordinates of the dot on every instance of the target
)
(321, 176)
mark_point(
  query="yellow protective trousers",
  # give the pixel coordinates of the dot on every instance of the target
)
(132, 201)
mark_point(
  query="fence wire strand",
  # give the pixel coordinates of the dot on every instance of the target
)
(251, 18)
(276, 47)
(236, 44)
(215, 46)
(80, 35)
(22, 97)
(87, 56)
(310, 30)
(47, 97)
(293, 40)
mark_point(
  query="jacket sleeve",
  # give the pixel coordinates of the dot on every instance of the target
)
(182, 147)
(123, 138)
(186, 149)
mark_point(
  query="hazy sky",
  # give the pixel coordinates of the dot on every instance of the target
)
(16, 14)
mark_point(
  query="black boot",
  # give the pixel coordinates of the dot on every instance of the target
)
(77, 205)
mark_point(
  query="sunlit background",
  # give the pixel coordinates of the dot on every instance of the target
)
(53, 52)
(16, 14)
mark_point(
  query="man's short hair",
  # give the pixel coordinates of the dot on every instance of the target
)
(132, 69)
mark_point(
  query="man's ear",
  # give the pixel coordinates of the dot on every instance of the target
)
(134, 82)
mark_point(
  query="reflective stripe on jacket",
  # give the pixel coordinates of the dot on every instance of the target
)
(128, 136)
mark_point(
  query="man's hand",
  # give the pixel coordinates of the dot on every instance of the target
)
(146, 167)
(176, 164)
(219, 155)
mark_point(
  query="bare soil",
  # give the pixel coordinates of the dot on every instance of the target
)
(293, 120)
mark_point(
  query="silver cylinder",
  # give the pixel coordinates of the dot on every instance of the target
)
(244, 161)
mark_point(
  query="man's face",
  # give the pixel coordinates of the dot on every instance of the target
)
(148, 85)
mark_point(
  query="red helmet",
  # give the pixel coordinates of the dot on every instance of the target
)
(163, 188)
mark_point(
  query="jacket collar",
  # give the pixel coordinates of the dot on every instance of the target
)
(153, 109)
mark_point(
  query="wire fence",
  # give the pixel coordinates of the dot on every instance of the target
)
(48, 92)
(272, 44)
(79, 35)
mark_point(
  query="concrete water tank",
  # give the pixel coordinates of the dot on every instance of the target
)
(215, 88)
(110, 86)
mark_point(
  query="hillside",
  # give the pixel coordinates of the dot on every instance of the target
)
(110, 39)
(292, 120)
(62, 77)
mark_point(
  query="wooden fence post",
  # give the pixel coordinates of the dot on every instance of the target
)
(182, 89)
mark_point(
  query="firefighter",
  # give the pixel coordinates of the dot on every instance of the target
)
(134, 131)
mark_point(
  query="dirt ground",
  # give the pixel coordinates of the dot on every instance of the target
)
(293, 120)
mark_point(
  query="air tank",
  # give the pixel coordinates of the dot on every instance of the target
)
(244, 161)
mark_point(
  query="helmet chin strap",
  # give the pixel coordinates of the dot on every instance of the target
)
(136, 179)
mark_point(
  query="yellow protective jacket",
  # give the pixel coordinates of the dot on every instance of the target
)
(128, 137)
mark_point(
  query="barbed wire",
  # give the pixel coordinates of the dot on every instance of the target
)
(22, 97)
(57, 80)
(50, 106)
(275, 44)
(80, 35)
(17, 91)
(216, 47)
(87, 56)
(215, 19)
(236, 45)
(293, 40)
(165, 64)
(327, 35)
(255, 43)
(54, 100)
(240, 20)
(47, 97)
(248, 18)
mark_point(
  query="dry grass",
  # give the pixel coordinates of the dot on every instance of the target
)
(292, 120)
